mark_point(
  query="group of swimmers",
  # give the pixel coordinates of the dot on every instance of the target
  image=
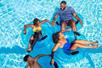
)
(66, 15)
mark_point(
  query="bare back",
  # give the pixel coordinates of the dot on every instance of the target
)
(35, 63)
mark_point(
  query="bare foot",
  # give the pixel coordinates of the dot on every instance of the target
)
(96, 46)
(95, 42)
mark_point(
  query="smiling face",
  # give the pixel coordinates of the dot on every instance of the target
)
(62, 6)
(30, 59)
(37, 23)
(61, 35)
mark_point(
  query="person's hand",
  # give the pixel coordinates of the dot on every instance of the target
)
(24, 32)
(45, 20)
(52, 61)
(53, 23)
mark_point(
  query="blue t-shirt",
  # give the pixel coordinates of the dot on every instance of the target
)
(66, 14)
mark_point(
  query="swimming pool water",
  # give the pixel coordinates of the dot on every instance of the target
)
(13, 43)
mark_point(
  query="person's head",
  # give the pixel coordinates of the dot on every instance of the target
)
(61, 35)
(36, 21)
(27, 58)
(63, 5)
(57, 36)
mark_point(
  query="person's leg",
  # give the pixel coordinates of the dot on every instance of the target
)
(32, 42)
(73, 26)
(75, 46)
(63, 26)
(84, 42)
(72, 23)
(39, 35)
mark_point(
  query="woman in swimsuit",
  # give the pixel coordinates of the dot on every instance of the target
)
(61, 42)
(36, 26)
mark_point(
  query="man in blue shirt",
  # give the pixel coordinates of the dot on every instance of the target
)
(66, 16)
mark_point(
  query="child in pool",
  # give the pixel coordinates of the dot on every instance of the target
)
(36, 26)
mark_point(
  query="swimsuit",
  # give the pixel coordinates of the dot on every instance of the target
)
(67, 45)
(37, 35)
(37, 29)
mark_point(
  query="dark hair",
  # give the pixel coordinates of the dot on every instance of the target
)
(26, 58)
(35, 21)
(55, 37)
(63, 2)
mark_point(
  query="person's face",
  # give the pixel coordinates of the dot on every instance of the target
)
(29, 59)
(37, 23)
(62, 6)
(61, 35)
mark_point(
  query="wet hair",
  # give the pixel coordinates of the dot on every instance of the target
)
(63, 2)
(35, 21)
(26, 58)
(55, 37)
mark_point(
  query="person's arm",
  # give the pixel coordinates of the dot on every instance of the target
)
(52, 54)
(76, 16)
(41, 55)
(43, 21)
(26, 26)
(54, 18)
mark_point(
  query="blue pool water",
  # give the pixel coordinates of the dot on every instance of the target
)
(13, 43)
